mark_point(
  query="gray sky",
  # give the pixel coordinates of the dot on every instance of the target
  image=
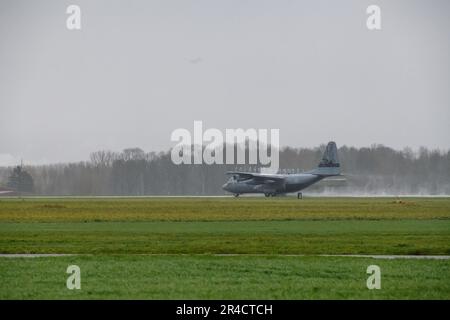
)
(140, 69)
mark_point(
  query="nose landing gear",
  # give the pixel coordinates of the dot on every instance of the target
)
(236, 195)
(299, 195)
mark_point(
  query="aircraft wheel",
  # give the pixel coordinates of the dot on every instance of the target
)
(299, 195)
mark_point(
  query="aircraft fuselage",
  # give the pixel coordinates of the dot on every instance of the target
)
(290, 183)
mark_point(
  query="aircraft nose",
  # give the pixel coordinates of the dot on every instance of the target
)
(225, 186)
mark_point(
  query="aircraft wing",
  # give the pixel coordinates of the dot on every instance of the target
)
(260, 177)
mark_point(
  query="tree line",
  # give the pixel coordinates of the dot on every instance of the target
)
(374, 170)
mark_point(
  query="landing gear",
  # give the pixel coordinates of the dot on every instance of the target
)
(267, 195)
(236, 195)
(270, 194)
(299, 195)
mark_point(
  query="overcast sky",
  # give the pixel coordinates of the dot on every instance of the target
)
(139, 69)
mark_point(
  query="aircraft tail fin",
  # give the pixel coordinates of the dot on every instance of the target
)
(329, 165)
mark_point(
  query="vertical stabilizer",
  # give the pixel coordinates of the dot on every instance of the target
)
(329, 165)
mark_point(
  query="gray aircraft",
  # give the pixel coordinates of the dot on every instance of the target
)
(275, 184)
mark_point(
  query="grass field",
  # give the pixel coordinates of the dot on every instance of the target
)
(243, 237)
(206, 277)
(220, 209)
(171, 247)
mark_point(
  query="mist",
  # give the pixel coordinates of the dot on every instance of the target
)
(374, 170)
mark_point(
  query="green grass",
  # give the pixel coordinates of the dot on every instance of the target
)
(220, 209)
(212, 277)
(243, 237)
(114, 238)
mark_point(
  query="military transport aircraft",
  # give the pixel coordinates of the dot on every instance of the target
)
(274, 184)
